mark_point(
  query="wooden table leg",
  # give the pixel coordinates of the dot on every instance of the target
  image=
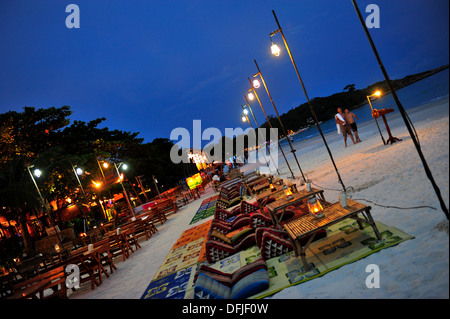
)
(301, 250)
(374, 226)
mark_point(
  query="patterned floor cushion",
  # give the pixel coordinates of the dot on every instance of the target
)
(261, 218)
(217, 250)
(226, 226)
(224, 203)
(208, 288)
(248, 280)
(250, 285)
(247, 207)
(272, 242)
(224, 214)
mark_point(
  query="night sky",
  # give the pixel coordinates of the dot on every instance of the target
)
(151, 66)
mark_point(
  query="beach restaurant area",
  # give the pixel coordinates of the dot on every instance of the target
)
(342, 197)
(250, 236)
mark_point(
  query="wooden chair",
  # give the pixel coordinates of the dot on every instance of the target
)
(102, 258)
(129, 234)
(145, 228)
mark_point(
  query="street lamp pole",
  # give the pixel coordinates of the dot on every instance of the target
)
(157, 189)
(42, 200)
(248, 121)
(368, 99)
(279, 120)
(78, 179)
(123, 188)
(82, 189)
(270, 124)
(280, 30)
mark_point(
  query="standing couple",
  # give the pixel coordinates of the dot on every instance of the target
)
(346, 124)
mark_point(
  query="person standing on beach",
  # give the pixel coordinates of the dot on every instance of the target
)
(349, 119)
(345, 129)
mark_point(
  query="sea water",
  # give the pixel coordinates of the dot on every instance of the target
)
(432, 88)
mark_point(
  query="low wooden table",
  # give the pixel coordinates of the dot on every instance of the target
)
(266, 194)
(284, 202)
(308, 225)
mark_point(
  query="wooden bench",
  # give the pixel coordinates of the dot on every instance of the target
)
(54, 279)
(166, 206)
(154, 215)
(144, 228)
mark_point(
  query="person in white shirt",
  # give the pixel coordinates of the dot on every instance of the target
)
(345, 128)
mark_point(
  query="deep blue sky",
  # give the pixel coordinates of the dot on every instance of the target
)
(151, 66)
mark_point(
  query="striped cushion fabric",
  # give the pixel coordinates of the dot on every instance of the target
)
(247, 281)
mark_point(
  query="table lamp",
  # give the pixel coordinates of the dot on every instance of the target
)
(315, 207)
(288, 192)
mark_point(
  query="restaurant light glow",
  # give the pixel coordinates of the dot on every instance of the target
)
(97, 184)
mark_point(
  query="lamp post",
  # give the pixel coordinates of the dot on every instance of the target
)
(79, 171)
(279, 120)
(245, 112)
(254, 94)
(276, 51)
(402, 112)
(156, 186)
(38, 173)
(377, 93)
(262, 138)
(123, 187)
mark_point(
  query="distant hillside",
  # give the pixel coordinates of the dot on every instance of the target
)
(325, 107)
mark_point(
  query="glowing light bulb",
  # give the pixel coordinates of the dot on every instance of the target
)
(275, 50)
(37, 172)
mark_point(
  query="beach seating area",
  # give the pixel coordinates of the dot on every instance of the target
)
(249, 228)
(92, 257)
(251, 222)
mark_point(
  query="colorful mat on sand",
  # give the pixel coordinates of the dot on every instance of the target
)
(188, 250)
(345, 243)
(206, 209)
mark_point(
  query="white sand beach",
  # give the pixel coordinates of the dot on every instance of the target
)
(390, 175)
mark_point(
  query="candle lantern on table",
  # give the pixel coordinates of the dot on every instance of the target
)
(272, 187)
(315, 207)
(288, 192)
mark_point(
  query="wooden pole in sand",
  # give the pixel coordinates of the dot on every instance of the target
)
(402, 112)
(313, 113)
